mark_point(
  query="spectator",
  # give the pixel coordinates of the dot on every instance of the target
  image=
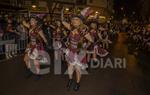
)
(1, 38)
(23, 37)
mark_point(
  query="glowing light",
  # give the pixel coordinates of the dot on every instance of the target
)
(122, 8)
(96, 12)
(102, 17)
(67, 9)
(33, 6)
(91, 16)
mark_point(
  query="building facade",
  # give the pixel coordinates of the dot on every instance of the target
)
(104, 7)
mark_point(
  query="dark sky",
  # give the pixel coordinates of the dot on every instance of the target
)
(129, 6)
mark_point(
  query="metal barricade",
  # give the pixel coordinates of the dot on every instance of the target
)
(12, 43)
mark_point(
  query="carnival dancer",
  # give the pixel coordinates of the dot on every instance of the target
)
(93, 31)
(104, 37)
(76, 51)
(33, 54)
(37, 39)
(98, 48)
(48, 31)
(57, 46)
(57, 35)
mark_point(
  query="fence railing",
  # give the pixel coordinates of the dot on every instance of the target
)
(11, 45)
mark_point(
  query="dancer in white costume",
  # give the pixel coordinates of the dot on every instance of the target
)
(37, 39)
(76, 48)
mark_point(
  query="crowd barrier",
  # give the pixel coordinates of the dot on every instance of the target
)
(12, 44)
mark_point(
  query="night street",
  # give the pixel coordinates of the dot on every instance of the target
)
(74, 47)
(130, 81)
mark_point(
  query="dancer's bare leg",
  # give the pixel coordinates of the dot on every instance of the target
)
(70, 72)
(26, 60)
(78, 78)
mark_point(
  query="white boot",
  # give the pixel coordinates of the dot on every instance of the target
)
(6, 54)
(9, 54)
(13, 50)
(13, 53)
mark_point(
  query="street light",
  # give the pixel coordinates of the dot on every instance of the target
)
(34, 6)
(67, 9)
(96, 12)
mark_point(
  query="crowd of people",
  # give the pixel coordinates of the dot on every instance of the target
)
(78, 39)
(139, 42)
(13, 36)
(140, 35)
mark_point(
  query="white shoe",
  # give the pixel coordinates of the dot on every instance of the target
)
(10, 56)
(7, 57)
(84, 66)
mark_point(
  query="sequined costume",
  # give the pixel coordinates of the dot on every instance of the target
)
(76, 52)
(35, 36)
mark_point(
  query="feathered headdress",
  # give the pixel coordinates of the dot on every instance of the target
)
(83, 14)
